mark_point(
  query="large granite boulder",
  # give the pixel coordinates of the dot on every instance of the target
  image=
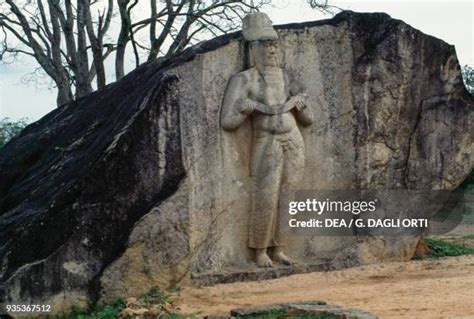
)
(137, 185)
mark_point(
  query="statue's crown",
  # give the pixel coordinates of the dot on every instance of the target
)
(258, 26)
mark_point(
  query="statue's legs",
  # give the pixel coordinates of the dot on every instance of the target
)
(294, 161)
(292, 146)
(266, 172)
(277, 164)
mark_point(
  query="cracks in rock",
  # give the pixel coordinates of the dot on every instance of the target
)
(431, 100)
(210, 231)
(410, 141)
(334, 118)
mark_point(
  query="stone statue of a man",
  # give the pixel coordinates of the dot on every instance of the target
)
(262, 93)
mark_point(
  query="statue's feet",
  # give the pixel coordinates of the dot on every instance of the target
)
(263, 260)
(280, 257)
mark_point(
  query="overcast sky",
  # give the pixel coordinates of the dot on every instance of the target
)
(451, 21)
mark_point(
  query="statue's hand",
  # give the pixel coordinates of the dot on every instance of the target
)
(299, 101)
(245, 106)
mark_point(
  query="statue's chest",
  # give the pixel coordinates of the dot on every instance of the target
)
(270, 88)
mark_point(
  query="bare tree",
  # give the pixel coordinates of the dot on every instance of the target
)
(59, 35)
(71, 39)
(173, 24)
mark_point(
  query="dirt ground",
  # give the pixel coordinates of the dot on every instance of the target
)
(442, 288)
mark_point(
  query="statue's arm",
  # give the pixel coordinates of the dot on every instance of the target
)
(236, 106)
(303, 111)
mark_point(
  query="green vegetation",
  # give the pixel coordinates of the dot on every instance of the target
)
(467, 187)
(468, 184)
(470, 236)
(149, 299)
(154, 297)
(441, 248)
(110, 311)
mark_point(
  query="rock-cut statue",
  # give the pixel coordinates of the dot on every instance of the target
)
(262, 94)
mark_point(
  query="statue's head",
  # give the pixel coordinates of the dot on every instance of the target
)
(264, 53)
(258, 31)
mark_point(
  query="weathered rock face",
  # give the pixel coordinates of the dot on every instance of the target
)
(138, 186)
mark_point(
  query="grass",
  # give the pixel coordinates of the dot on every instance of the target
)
(154, 297)
(109, 311)
(112, 311)
(470, 236)
(441, 248)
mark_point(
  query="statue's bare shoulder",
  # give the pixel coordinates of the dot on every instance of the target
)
(244, 77)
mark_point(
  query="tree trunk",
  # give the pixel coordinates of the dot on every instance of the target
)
(83, 86)
(60, 73)
(122, 39)
(64, 95)
(96, 46)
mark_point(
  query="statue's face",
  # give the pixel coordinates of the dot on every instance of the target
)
(265, 53)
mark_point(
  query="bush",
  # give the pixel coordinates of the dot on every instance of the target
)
(439, 248)
(110, 311)
(468, 184)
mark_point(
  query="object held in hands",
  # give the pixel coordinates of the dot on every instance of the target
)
(297, 101)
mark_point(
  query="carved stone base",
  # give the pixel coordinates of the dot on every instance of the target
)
(255, 273)
(318, 309)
